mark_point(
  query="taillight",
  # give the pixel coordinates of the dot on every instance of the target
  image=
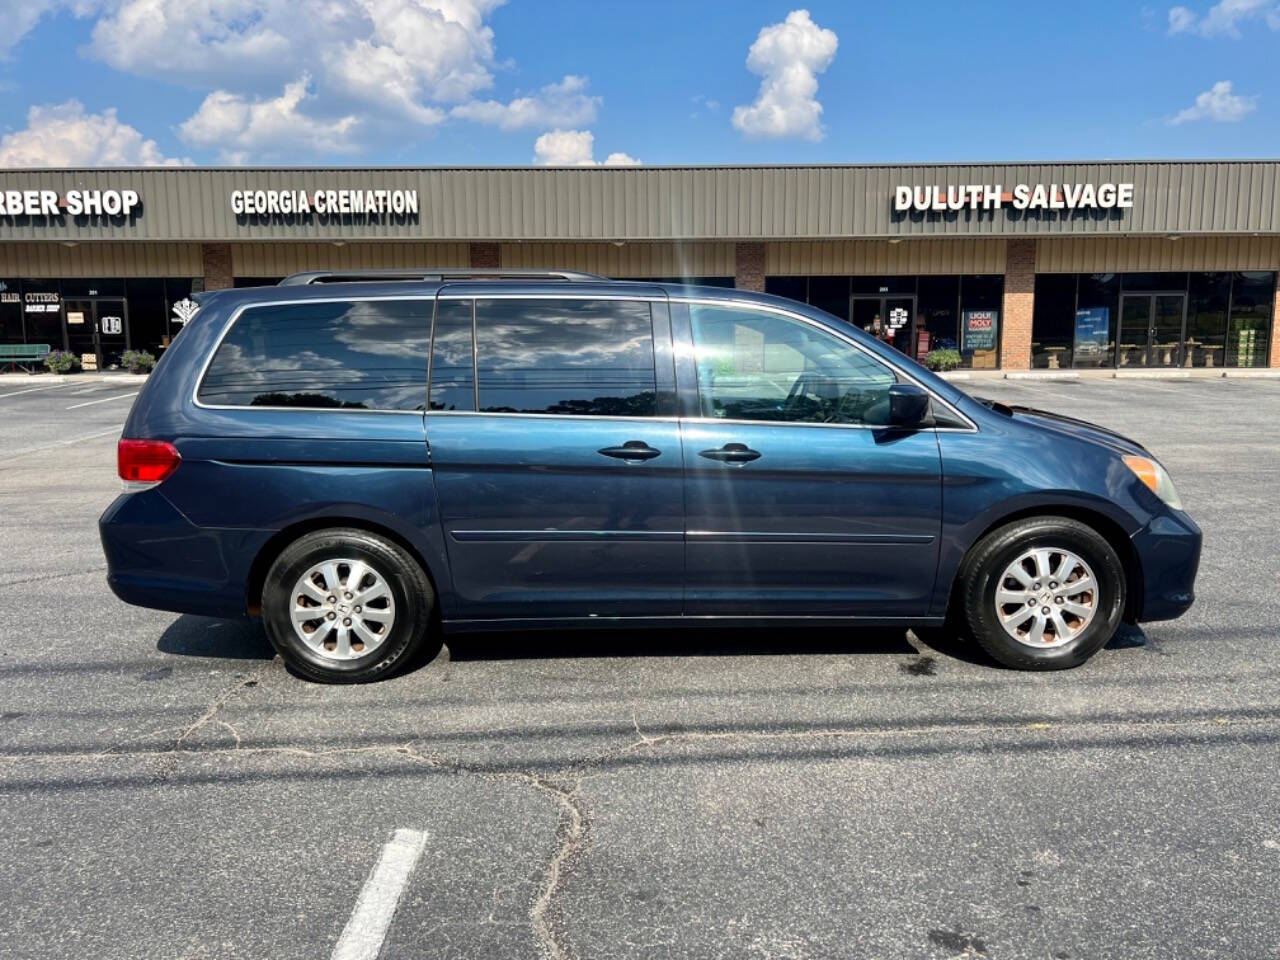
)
(146, 462)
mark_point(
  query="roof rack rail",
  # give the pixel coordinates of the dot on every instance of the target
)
(432, 274)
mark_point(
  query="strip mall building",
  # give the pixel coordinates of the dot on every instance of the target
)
(1157, 265)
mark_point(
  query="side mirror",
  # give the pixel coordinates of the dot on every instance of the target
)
(908, 405)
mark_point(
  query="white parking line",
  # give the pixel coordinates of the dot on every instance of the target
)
(90, 403)
(363, 935)
(50, 386)
(57, 443)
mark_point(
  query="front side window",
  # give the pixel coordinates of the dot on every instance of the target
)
(566, 357)
(356, 355)
(754, 365)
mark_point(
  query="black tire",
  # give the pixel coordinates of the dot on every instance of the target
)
(412, 636)
(980, 578)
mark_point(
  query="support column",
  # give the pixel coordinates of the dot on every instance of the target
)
(485, 256)
(748, 266)
(217, 266)
(1274, 356)
(1019, 304)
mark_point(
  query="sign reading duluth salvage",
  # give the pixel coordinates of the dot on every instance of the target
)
(1024, 196)
(354, 202)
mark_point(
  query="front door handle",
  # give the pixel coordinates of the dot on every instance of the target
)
(631, 450)
(731, 453)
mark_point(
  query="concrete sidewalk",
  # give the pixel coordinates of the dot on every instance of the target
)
(36, 379)
(1110, 373)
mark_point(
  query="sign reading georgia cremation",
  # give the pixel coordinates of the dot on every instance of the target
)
(328, 203)
(1023, 196)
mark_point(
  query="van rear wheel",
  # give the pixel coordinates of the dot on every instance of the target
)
(1044, 593)
(348, 606)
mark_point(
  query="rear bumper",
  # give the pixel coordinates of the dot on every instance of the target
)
(1169, 550)
(157, 558)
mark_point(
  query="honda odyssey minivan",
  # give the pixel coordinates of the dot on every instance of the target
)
(369, 461)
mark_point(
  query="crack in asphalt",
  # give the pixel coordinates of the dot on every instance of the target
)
(53, 576)
(563, 785)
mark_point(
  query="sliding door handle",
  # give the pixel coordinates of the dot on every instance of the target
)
(631, 450)
(731, 453)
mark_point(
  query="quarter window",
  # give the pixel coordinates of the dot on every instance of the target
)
(566, 357)
(453, 385)
(361, 355)
(754, 365)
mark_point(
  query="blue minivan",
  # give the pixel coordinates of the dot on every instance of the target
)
(367, 461)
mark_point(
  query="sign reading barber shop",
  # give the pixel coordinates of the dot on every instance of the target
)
(1023, 196)
(73, 203)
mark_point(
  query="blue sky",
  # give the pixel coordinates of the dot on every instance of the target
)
(430, 82)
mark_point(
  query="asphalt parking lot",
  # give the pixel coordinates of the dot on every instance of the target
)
(169, 790)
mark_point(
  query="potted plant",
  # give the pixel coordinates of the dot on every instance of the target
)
(942, 360)
(61, 361)
(137, 361)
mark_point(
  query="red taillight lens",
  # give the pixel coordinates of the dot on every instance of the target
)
(146, 461)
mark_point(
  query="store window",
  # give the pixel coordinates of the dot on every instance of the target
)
(42, 313)
(980, 301)
(1249, 329)
(938, 314)
(11, 312)
(1208, 304)
(1053, 327)
(1161, 320)
(830, 294)
(914, 314)
(1096, 321)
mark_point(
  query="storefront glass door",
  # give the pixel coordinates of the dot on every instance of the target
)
(98, 328)
(1151, 329)
(891, 319)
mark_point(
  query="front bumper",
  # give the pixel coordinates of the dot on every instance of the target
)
(1169, 550)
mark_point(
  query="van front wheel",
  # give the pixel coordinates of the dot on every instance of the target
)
(1045, 593)
(347, 606)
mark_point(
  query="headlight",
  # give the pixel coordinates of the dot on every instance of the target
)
(1156, 478)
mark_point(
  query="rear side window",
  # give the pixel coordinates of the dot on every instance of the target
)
(358, 355)
(567, 357)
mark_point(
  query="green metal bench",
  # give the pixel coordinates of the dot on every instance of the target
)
(15, 354)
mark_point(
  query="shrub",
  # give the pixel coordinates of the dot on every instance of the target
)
(137, 361)
(61, 361)
(942, 359)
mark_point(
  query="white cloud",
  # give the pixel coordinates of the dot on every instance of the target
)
(64, 135)
(621, 160)
(18, 17)
(241, 127)
(1217, 103)
(789, 56)
(390, 60)
(1224, 17)
(563, 104)
(574, 148)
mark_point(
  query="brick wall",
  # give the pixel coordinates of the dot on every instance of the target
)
(485, 256)
(216, 258)
(748, 266)
(1275, 329)
(1019, 302)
